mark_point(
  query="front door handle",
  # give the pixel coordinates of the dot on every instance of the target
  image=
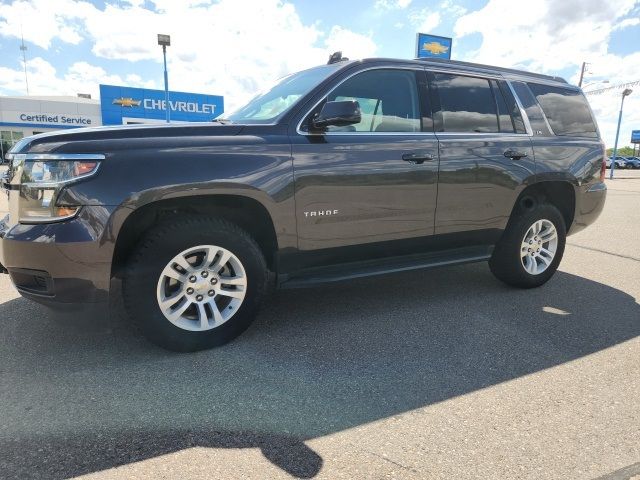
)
(514, 154)
(418, 158)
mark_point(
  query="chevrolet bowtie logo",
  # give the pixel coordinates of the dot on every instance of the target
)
(436, 48)
(126, 102)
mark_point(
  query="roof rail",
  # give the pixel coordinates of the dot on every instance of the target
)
(491, 67)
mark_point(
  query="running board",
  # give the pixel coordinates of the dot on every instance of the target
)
(369, 268)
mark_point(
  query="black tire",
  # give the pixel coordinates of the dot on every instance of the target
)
(506, 263)
(163, 243)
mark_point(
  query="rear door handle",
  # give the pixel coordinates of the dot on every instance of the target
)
(418, 158)
(514, 154)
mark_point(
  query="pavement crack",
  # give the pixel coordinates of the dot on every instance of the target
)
(387, 459)
(605, 252)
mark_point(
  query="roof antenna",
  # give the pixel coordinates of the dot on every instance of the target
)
(336, 57)
(23, 47)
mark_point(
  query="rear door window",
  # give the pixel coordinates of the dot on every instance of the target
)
(463, 104)
(567, 110)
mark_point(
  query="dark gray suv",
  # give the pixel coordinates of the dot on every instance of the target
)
(345, 170)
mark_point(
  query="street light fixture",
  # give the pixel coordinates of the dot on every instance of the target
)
(165, 41)
(625, 93)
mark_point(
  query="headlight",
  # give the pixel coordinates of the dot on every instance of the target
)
(42, 181)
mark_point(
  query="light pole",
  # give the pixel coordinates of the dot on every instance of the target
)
(626, 92)
(165, 41)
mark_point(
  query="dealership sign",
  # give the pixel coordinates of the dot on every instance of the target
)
(433, 46)
(121, 105)
(70, 120)
(635, 136)
(45, 119)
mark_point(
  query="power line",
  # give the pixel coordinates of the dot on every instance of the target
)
(615, 87)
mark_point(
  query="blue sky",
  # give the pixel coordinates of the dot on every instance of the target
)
(236, 47)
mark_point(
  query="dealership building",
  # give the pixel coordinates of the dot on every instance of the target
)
(22, 116)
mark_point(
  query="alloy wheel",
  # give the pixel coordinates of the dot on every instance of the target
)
(539, 247)
(201, 288)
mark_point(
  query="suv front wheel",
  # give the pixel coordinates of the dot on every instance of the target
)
(194, 283)
(530, 250)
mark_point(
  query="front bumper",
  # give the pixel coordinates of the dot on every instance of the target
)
(60, 263)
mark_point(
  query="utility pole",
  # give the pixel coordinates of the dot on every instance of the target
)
(23, 47)
(584, 67)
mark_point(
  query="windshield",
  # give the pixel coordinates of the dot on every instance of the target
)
(270, 105)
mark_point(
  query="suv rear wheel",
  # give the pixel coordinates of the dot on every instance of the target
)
(194, 283)
(529, 252)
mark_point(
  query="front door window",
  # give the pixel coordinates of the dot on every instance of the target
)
(388, 101)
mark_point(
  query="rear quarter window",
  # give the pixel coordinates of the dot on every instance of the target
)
(566, 110)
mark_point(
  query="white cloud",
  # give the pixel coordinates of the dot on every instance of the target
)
(391, 4)
(43, 20)
(627, 22)
(426, 20)
(352, 44)
(452, 9)
(80, 77)
(228, 47)
(38, 69)
(134, 3)
(549, 36)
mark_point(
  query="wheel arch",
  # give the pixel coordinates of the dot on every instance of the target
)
(246, 212)
(560, 193)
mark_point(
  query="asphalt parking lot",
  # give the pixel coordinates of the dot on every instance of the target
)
(444, 373)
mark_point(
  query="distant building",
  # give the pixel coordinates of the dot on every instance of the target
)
(21, 116)
(24, 116)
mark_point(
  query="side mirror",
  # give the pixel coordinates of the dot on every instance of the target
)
(338, 114)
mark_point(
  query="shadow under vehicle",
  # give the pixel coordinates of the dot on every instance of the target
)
(81, 396)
